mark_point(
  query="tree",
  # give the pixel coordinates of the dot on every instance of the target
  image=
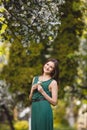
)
(27, 23)
(67, 42)
(28, 20)
(6, 102)
(23, 64)
(82, 57)
(63, 48)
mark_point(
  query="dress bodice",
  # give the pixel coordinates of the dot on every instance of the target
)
(44, 84)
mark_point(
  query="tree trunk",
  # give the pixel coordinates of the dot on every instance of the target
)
(8, 117)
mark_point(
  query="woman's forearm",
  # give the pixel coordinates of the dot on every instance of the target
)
(50, 99)
(30, 96)
(53, 99)
(33, 88)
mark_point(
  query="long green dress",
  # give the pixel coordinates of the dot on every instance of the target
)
(41, 111)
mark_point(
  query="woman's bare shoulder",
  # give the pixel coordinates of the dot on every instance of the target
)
(54, 82)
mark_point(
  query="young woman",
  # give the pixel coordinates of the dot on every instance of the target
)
(44, 91)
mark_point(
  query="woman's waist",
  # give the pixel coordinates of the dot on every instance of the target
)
(38, 99)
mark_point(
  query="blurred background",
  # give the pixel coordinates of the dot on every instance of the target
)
(31, 31)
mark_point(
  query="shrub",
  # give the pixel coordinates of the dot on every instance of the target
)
(21, 125)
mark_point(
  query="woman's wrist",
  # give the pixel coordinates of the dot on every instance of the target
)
(43, 92)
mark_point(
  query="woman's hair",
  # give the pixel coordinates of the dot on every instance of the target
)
(55, 72)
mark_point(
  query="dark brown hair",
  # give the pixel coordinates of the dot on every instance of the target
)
(55, 73)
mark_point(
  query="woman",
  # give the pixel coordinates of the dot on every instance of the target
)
(44, 92)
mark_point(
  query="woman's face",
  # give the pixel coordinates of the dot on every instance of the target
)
(48, 67)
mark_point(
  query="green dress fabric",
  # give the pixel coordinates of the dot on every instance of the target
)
(41, 111)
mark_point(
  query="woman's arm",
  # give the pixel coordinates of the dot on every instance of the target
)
(54, 90)
(31, 94)
(32, 90)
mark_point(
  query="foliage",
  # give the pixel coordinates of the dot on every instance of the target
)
(65, 127)
(6, 103)
(67, 42)
(28, 20)
(34, 38)
(81, 79)
(26, 57)
(23, 65)
(5, 96)
(59, 114)
(28, 23)
(60, 121)
(21, 125)
(4, 54)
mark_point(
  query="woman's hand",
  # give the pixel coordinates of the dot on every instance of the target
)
(34, 87)
(40, 89)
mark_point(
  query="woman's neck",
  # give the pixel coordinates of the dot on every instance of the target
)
(45, 76)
